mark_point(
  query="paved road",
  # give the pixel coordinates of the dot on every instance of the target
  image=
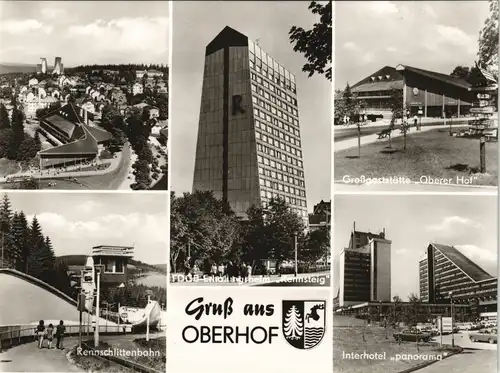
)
(470, 361)
(28, 358)
(462, 339)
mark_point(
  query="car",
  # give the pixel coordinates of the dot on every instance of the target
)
(484, 335)
(412, 335)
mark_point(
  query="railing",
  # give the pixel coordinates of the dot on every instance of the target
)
(13, 335)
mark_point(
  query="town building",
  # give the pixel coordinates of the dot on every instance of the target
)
(139, 74)
(137, 89)
(32, 103)
(249, 146)
(32, 82)
(58, 66)
(74, 141)
(44, 66)
(445, 275)
(430, 93)
(112, 262)
(321, 216)
(365, 269)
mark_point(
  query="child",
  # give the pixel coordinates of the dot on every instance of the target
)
(60, 330)
(40, 330)
(50, 335)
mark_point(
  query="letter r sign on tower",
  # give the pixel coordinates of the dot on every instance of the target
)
(237, 105)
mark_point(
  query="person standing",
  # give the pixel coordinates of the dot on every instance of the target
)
(40, 331)
(220, 269)
(60, 330)
(50, 335)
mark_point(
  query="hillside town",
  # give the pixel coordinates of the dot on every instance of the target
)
(91, 127)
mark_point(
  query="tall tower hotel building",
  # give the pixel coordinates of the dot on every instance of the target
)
(249, 147)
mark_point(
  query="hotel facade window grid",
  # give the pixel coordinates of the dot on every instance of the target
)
(264, 159)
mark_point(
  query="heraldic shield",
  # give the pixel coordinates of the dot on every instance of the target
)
(303, 322)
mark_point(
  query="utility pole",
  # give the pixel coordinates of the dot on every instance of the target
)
(295, 245)
(96, 331)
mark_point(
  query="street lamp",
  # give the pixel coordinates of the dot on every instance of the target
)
(98, 290)
(148, 292)
(295, 246)
(452, 324)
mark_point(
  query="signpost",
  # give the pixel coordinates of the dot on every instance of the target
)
(482, 154)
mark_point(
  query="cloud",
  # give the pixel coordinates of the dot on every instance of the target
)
(451, 224)
(149, 233)
(382, 7)
(444, 38)
(478, 254)
(22, 26)
(88, 206)
(125, 34)
(428, 10)
(401, 251)
(52, 13)
(350, 46)
(391, 49)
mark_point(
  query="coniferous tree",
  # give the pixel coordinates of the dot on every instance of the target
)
(4, 117)
(36, 256)
(19, 239)
(5, 224)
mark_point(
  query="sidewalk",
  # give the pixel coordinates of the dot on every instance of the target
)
(369, 139)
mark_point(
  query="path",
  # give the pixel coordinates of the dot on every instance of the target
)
(469, 361)
(353, 142)
(28, 358)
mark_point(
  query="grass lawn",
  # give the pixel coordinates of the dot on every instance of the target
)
(360, 339)
(433, 153)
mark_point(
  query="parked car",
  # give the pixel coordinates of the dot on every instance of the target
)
(484, 335)
(412, 335)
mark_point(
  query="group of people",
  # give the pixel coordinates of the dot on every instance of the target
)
(231, 270)
(43, 332)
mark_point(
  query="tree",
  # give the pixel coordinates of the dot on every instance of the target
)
(398, 111)
(204, 226)
(488, 40)
(461, 72)
(19, 241)
(4, 117)
(5, 224)
(17, 131)
(41, 258)
(350, 107)
(316, 245)
(294, 324)
(316, 44)
(270, 233)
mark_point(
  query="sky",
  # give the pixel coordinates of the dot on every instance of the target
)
(84, 32)
(195, 24)
(469, 223)
(75, 222)
(432, 35)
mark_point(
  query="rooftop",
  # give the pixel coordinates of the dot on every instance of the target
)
(470, 268)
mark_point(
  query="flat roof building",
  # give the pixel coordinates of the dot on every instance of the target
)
(365, 269)
(249, 148)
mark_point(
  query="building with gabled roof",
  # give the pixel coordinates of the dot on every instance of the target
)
(73, 139)
(429, 93)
